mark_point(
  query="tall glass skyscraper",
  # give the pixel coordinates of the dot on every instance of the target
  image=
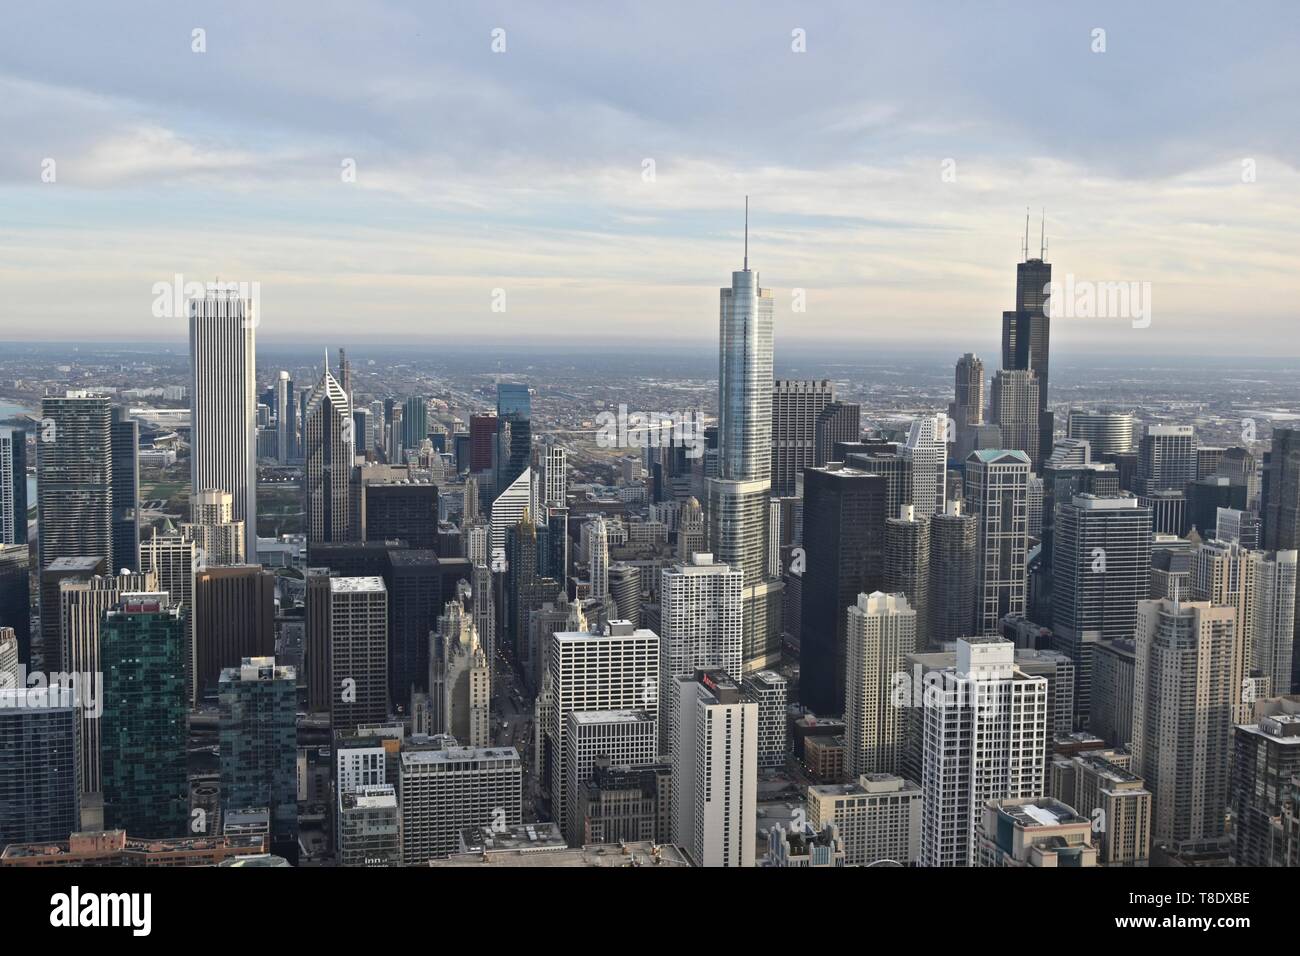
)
(514, 431)
(142, 732)
(738, 497)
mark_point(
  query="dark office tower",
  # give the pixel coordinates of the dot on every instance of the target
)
(13, 486)
(1101, 569)
(15, 596)
(316, 642)
(329, 448)
(967, 407)
(234, 618)
(1015, 410)
(1166, 459)
(462, 448)
(358, 630)
(259, 745)
(74, 478)
(838, 421)
(844, 536)
(796, 406)
(1206, 496)
(1168, 511)
(520, 583)
(625, 592)
(142, 730)
(1280, 507)
(1238, 465)
(402, 510)
(514, 431)
(895, 468)
(997, 493)
(553, 559)
(1026, 333)
(126, 492)
(51, 582)
(416, 595)
(907, 565)
(415, 421)
(40, 789)
(954, 538)
(1265, 759)
(482, 435)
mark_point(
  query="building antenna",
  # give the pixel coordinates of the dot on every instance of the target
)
(747, 233)
(1025, 247)
(1042, 237)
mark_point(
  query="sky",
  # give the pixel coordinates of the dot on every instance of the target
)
(526, 172)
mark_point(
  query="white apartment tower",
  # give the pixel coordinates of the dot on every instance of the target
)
(984, 726)
(616, 670)
(881, 633)
(714, 769)
(927, 449)
(700, 625)
(1183, 714)
(223, 403)
(997, 493)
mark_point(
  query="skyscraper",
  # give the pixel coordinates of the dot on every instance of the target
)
(1182, 716)
(616, 670)
(173, 559)
(700, 625)
(358, 651)
(220, 539)
(796, 406)
(223, 386)
(126, 491)
(83, 603)
(927, 449)
(514, 431)
(1026, 334)
(74, 480)
(1101, 570)
(954, 542)
(881, 633)
(844, 534)
(286, 422)
(142, 735)
(714, 769)
(907, 565)
(40, 792)
(329, 450)
(997, 484)
(985, 738)
(557, 477)
(1015, 410)
(259, 745)
(1280, 507)
(234, 619)
(1265, 760)
(967, 408)
(1106, 432)
(837, 422)
(1166, 459)
(13, 486)
(739, 518)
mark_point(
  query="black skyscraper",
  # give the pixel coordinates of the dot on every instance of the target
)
(1026, 334)
(844, 534)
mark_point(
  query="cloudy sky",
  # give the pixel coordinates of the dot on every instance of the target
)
(595, 168)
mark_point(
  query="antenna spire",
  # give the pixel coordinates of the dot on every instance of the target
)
(747, 233)
(1025, 248)
(1042, 237)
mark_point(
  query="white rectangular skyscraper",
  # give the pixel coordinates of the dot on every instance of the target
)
(223, 385)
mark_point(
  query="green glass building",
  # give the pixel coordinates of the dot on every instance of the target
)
(142, 740)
